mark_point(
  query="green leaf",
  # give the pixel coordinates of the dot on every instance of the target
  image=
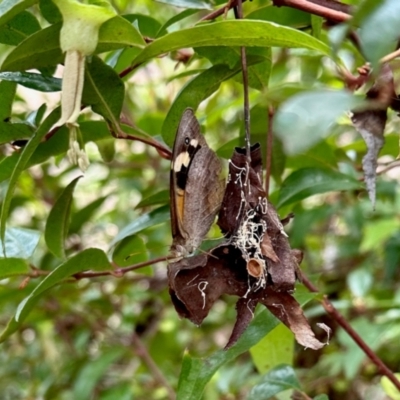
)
(259, 62)
(321, 397)
(20, 166)
(198, 4)
(58, 221)
(19, 28)
(161, 197)
(103, 90)
(379, 31)
(306, 182)
(34, 81)
(50, 11)
(148, 26)
(306, 118)
(130, 250)
(389, 388)
(117, 33)
(20, 243)
(85, 214)
(274, 349)
(42, 49)
(13, 267)
(192, 94)
(279, 379)
(10, 8)
(91, 373)
(154, 217)
(282, 15)
(94, 259)
(176, 18)
(376, 233)
(316, 25)
(10, 132)
(196, 373)
(7, 94)
(232, 33)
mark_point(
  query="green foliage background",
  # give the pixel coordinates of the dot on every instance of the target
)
(118, 337)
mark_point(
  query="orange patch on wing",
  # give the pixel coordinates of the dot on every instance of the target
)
(180, 204)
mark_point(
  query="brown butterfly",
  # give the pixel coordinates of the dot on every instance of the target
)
(196, 189)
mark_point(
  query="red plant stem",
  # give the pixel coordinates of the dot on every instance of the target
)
(118, 272)
(314, 8)
(339, 318)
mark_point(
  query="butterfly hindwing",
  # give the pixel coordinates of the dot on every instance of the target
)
(196, 189)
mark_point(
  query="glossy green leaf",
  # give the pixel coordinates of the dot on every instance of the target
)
(117, 33)
(50, 11)
(33, 80)
(198, 4)
(161, 197)
(308, 117)
(58, 221)
(196, 373)
(152, 218)
(7, 94)
(93, 259)
(19, 28)
(21, 164)
(232, 33)
(42, 49)
(10, 8)
(379, 31)
(56, 145)
(13, 267)
(20, 243)
(307, 182)
(274, 349)
(103, 90)
(89, 376)
(279, 379)
(192, 94)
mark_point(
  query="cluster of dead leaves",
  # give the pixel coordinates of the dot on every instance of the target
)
(255, 262)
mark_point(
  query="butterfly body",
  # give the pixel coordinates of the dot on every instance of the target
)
(196, 188)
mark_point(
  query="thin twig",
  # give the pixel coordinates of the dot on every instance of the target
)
(246, 106)
(394, 164)
(220, 11)
(390, 56)
(119, 272)
(270, 138)
(334, 313)
(141, 351)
